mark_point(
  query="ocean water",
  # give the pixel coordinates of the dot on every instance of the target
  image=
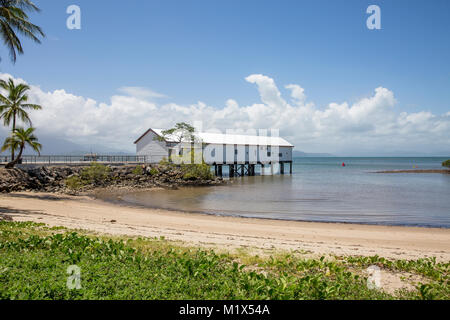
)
(320, 189)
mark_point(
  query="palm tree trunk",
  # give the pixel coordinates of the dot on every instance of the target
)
(11, 164)
(13, 129)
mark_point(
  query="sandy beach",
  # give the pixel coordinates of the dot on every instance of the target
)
(82, 212)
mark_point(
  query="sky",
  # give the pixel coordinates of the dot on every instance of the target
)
(311, 69)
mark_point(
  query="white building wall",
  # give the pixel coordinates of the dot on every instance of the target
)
(154, 150)
(219, 154)
(286, 153)
(214, 153)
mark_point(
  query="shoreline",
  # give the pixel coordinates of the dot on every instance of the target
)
(121, 202)
(225, 232)
(112, 196)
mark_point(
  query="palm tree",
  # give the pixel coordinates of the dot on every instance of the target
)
(13, 21)
(14, 105)
(18, 140)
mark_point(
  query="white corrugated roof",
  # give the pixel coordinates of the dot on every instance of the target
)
(241, 139)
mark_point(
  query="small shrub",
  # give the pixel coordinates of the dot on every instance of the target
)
(96, 173)
(197, 172)
(74, 183)
(153, 171)
(138, 171)
(446, 163)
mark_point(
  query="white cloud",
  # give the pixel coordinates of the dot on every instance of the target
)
(369, 125)
(268, 91)
(140, 92)
(297, 94)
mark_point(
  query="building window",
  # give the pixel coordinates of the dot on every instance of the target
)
(280, 155)
(235, 151)
(269, 153)
(213, 153)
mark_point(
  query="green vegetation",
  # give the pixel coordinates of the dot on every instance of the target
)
(14, 20)
(437, 274)
(446, 163)
(95, 174)
(188, 162)
(153, 171)
(196, 171)
(182, 132)
(138, 171)
(74, 183)
(190, 171)
(34, 261)
(12, 107)
(18, 140)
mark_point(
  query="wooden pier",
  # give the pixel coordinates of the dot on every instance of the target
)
(249, 169)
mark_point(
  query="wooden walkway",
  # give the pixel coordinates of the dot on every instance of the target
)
(65, 159)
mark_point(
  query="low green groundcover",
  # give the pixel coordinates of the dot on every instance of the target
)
(34, 262)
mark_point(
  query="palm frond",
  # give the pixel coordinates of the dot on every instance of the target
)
(13, 106)
(23, 137)
(10, 143)
(32, 106)
(5, 100)
(10, 40)
(23, 115)
(14, 19)
(7, 116)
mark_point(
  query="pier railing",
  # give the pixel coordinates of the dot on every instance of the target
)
(74, 159)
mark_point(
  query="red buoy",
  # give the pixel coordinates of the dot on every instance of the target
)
(343, 164)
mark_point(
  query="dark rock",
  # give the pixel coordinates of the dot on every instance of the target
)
(52, 178)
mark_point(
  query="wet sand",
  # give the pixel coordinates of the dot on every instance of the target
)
(83, 212)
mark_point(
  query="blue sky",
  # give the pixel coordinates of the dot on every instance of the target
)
(199, 50)
(202, 50)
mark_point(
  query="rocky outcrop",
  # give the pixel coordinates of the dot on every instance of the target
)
(53, 178)
(39, 179)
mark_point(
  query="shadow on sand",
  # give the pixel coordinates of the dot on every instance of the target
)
(37, 196)
(7, 213)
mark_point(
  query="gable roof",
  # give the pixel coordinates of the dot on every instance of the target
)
(221, 138)
(145, 133)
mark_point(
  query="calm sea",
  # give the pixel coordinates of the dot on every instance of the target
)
(320, 189)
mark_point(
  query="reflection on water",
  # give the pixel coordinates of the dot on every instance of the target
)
(321, 190)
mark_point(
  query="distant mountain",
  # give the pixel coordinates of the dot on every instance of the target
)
(59, 146)
(297, 153)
